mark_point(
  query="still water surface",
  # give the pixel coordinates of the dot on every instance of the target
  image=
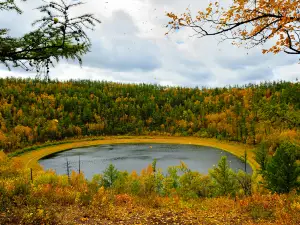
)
(130, 157)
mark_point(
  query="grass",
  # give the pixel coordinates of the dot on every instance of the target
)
(31, 155)
(53, 143)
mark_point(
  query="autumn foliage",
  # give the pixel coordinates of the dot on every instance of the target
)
(33, 112)
(248, 22)
(144, 198)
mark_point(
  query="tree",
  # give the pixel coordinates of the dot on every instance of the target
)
(282, 171)
(224, 177)
(55, 110)
(58, 36)
(245, 181)
(262, 157)
(154, 165)
(244, 159)
(250, 22)
(110, 175)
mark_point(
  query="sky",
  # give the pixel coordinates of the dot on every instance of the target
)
(130, 46)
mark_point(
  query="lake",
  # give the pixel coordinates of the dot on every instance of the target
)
(94, 160)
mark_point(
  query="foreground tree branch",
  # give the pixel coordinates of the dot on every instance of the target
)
(248, 22)
(57, 36)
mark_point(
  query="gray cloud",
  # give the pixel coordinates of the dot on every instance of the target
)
(256, 74)
(120, 48)
(123, 55)
(120, 23)
(253, 58)
(130, 46)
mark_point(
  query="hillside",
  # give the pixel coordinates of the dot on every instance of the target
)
(33, 112)
(265, 117)
(98, 152)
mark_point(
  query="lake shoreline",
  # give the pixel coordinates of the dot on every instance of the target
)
(136, 157)
(30, 159)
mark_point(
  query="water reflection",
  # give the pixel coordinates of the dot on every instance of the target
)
(137, 156)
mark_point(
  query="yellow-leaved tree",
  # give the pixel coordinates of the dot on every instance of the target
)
(248, 22)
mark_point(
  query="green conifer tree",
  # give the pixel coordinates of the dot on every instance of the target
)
(282, 171)
(110, 175)
(224, 178)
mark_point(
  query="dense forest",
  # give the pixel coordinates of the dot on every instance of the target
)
(33, 111)
(266, 116)
(50, 116)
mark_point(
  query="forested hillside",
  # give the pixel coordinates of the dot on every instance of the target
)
(32, 111)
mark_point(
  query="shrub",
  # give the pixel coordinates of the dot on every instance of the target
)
(194, 185)
(259, 211)
(21, 187)
(120, 183)
(101, 198)
(96, 183)
(123, 199)
(245, 182)
(48, 177)
(5, 201)
(171, 181)
(135, 187)
(37, 216)
(78, 182)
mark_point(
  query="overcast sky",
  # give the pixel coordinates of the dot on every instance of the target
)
(130, 46)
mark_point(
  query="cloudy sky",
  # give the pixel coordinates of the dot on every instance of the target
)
(130, 45)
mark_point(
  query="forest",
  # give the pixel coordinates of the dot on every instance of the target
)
(32, 111)
(265, 116)
(258, 123)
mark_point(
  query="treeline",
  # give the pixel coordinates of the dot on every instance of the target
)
(33, 111)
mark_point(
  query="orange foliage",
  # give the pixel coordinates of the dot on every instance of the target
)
(123, 199)
(248, 21)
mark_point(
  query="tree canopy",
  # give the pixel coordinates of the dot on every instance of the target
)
(34, 111)
(55, 36)
(248, 22)
(282, 171)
